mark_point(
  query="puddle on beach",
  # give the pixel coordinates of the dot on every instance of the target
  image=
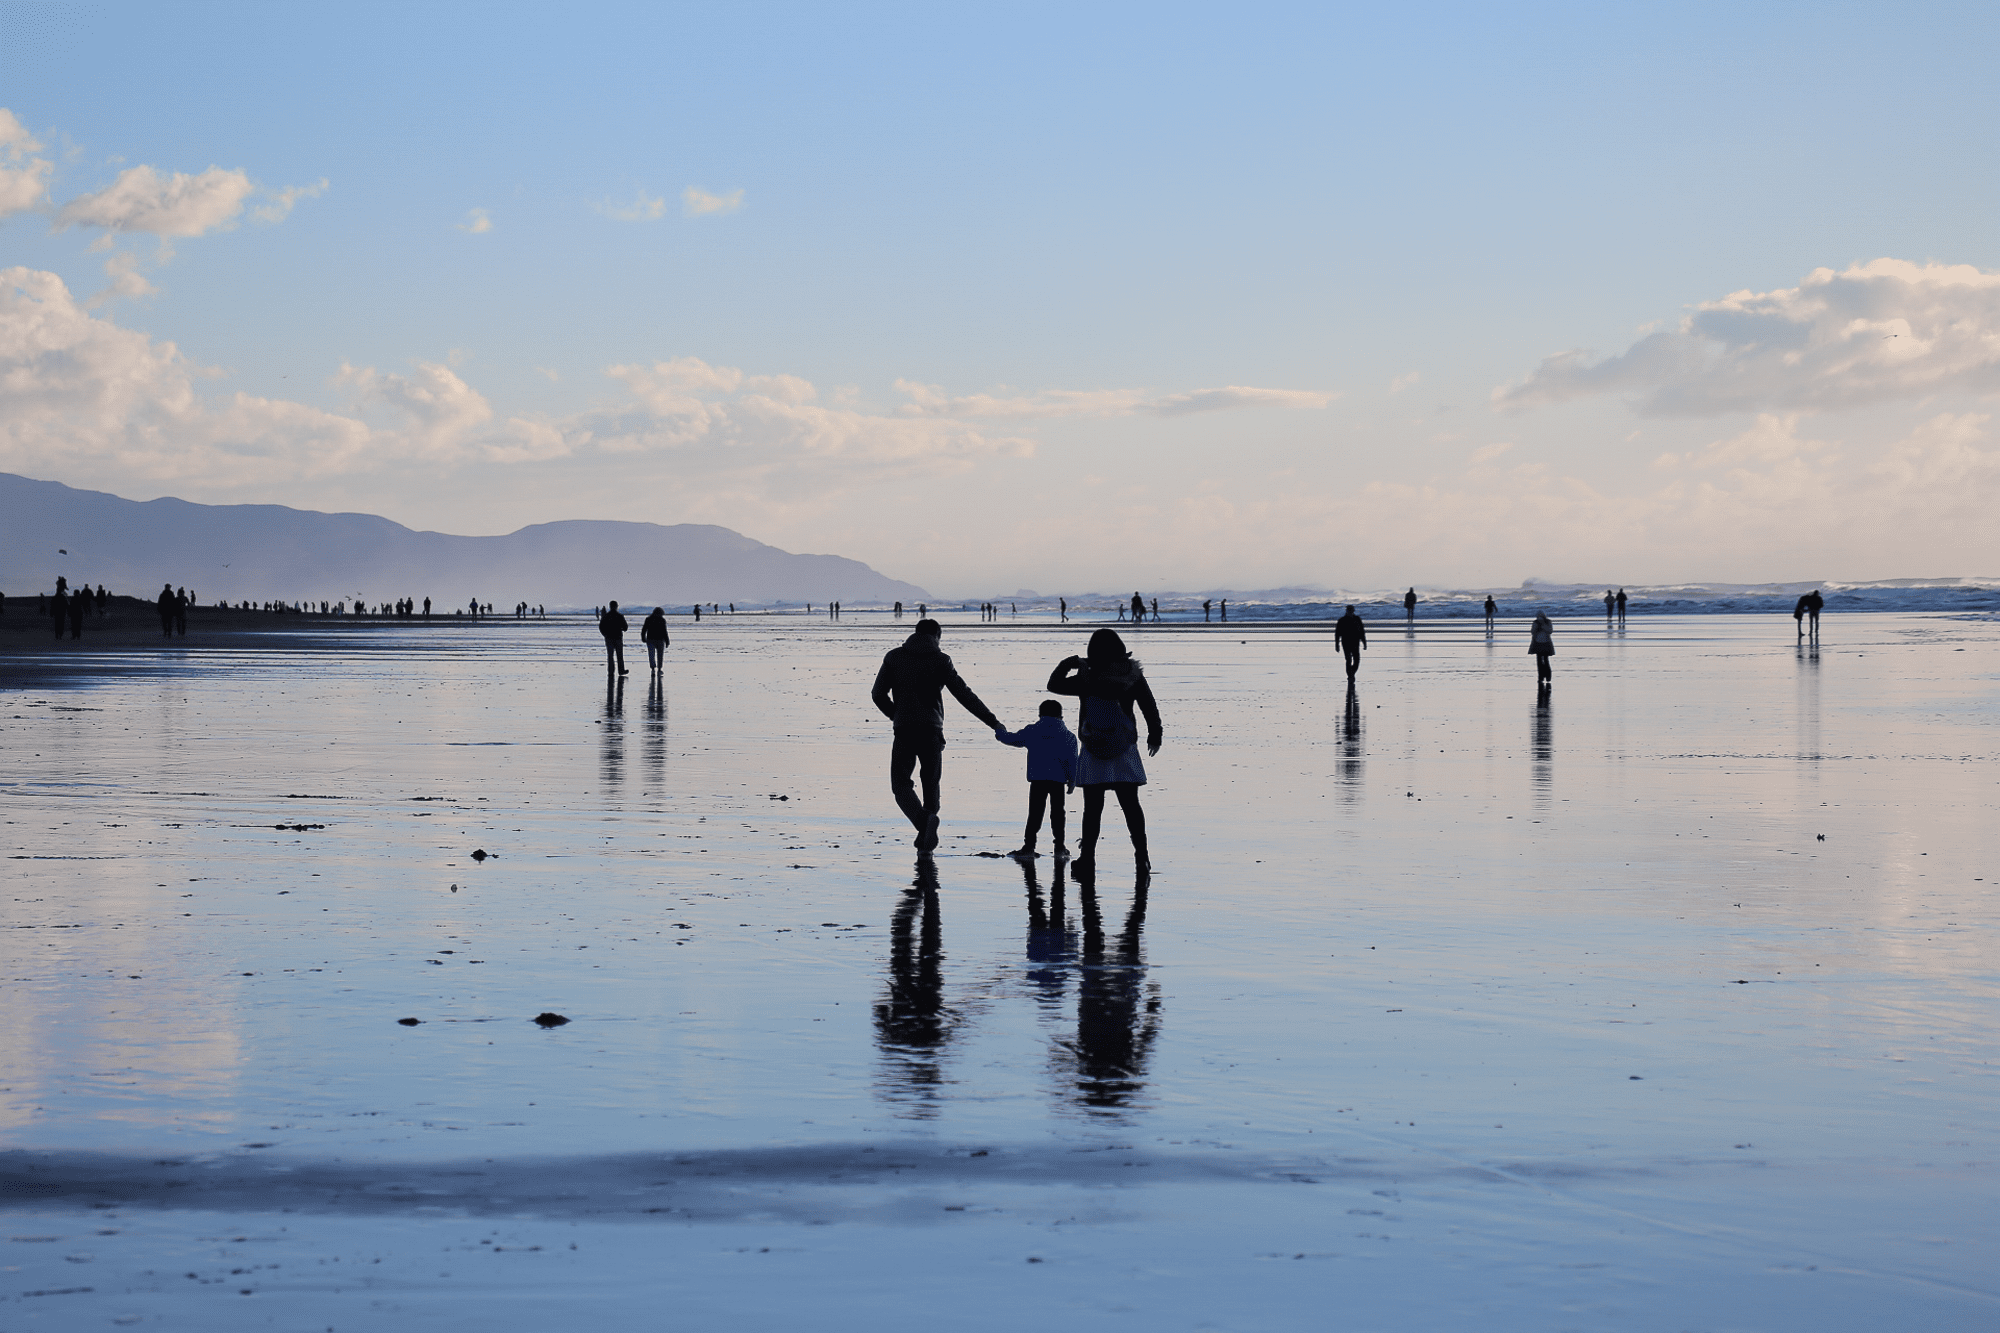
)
(1702, 942)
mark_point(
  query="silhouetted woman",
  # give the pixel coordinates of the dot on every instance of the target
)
(1107, 682)
(653, 633)
(1542, 646)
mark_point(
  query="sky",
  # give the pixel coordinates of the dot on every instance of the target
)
(1032, 296)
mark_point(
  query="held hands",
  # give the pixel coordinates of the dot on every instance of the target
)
(1152, 746)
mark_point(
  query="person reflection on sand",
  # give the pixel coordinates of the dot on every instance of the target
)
(1051, 946)
(1117, 1012)
(912, 1023)
(611, 735)
(656, 736)
(1348, 768)
(1541, 776)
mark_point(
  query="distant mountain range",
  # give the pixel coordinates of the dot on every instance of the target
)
(269, 552)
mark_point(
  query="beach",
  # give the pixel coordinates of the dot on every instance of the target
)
(1665, 1003)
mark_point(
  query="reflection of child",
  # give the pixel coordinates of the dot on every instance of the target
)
(1051, 751)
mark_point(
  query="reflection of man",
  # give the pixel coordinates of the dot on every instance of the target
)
(1352, 636)
(909, 689)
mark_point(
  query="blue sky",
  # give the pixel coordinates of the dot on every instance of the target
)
(1061, 230)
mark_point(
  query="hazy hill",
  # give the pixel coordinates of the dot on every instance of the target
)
(269, 552)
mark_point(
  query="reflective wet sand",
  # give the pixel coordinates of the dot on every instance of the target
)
(1665, 1002)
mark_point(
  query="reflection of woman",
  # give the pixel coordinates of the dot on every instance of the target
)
(1542, 646)
(1107, 682)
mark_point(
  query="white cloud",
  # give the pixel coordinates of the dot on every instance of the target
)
(1873, 333)
(166, 205)
(1407, 379)
(477, 222)
(126, 281)
(23, 177)
(930, 400)
(697, 202)
(281, 201)
(643, 208)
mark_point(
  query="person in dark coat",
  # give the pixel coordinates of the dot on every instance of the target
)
(1410, 604)
(79, 604)
(1352, 636)
(1542, 646)
(613, 626)
(1051, 748)
(909, 691)
(165, 603)
(59, 609)
(654, 635)
(1108, 682)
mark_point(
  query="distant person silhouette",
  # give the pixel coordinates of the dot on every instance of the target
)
(1121, 613)
(613, 626)
(1352, 636)
(1410, 604)
(1204, 610)
(181, 603)
(1107, 681)
(79, 606)
(165, 604)
(1156, 610)
(1621, 604)
(1814, 605)
(697, 612)
(1799, 614)
(103, 601)
(1542, 646)
(654, 635)
(909, 690)
(1492, 609)
(1138, 608)
(1610, 604)
(1225, 610)
(59, 609)
(1062, 606)
(1051, 751)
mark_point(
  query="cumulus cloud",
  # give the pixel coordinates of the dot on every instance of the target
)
(163, 204)
(643, 208)
(477, 222)
(930, 400)
(697, 202)
(125, 280)
(279, 205)
(1872, 333)
(24, 178)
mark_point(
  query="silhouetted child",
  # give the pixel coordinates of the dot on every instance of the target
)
(1051, 748)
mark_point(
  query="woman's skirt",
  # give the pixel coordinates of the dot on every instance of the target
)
(1125, 767)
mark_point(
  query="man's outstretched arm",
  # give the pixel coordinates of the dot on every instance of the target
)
(963, 693)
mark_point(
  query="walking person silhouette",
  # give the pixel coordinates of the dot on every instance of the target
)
(613, 626)
(653, 633)
(1107, 681)
(1352, 636)
(1492, 610)
(909, 690)
(1542, 646)
(1410, 604)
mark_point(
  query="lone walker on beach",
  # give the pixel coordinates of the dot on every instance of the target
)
(613, 626)
(1352, 636)
(1542, 646)
(909, 689)
(1410, 604)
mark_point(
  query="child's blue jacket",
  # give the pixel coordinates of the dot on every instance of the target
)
(1051, 748)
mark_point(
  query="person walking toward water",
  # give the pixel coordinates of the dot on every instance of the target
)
(1107, 681)
(1410, 604)
(909, 690)
(1542, 646)
(654, 635)
(1352, 636)
(1051, 768)
(1492, 609)
(613, 626)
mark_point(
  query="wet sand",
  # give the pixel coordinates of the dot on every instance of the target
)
(1442, 1009)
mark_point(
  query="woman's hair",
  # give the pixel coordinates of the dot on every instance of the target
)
(1107, 654)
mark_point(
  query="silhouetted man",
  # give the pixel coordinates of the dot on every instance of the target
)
(1610, 604)
(1492, 610)
(166, 608)
(654, 635)
(1621, 605)
(59, 609)
(1138, 609)
(1352, 636)
(1410, 604)
(1205, 604)
(909, 689)
(1062, 605)
(181, 603)
(613, 626)
(1814, 605)
(79, 604)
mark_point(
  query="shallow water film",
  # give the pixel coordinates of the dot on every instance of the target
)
(1664, 1001)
